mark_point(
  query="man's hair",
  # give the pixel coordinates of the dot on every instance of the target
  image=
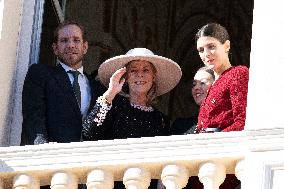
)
(67, 23)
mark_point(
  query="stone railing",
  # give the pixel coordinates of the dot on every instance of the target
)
(134, 161)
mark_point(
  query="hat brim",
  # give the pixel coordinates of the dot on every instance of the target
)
(168, 71)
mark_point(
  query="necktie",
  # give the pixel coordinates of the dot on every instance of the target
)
(76, 86)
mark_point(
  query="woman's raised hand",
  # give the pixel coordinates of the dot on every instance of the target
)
(115, 84)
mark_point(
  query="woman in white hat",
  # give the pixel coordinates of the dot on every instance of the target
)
(131, 115)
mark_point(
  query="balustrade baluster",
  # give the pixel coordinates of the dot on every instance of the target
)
(63, 180)
(24, 181)
(240, 170)
(212, 175)
(100, 179)
(136, 178)
(174, 176)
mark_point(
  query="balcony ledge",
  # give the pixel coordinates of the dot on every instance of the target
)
(152, 153)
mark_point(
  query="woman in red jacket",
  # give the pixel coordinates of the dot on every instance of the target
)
(224, 108)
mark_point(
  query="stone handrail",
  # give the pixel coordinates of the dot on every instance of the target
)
(171, 158)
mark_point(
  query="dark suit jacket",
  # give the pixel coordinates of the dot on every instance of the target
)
(50, 110)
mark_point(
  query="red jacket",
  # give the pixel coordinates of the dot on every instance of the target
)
(226, 102)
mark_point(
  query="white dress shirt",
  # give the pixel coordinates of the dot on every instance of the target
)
(84, 88)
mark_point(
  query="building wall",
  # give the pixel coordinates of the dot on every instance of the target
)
(15, 53)
(11, 21)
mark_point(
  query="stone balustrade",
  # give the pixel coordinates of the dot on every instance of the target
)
(98, 164)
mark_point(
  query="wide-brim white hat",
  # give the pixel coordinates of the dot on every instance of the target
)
(168, 71)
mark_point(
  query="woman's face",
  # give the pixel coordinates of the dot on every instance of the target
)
(201, 83)
(213, 53)
(140, 76)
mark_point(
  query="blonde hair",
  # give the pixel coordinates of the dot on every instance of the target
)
(151, 94)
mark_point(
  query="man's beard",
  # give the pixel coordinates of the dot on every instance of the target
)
(71, 62)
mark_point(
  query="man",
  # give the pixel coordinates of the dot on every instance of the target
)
(55, 99)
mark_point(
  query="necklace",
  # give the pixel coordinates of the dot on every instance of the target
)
(143, 108)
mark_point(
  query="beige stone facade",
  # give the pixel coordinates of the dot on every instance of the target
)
(11, 26)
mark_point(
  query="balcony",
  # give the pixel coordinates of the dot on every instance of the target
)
(256, 157)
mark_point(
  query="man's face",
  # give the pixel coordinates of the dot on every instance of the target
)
(70, 47)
